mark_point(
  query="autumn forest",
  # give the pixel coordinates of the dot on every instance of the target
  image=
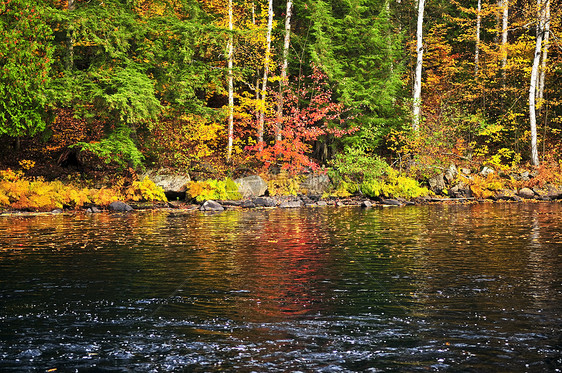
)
(362, 90)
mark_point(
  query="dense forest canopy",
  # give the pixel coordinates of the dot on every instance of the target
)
(241, 84)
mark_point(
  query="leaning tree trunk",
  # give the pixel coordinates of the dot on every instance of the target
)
(533, 85)
(261, 118)
(230, 84)
(418, 74)
(477, 46)
(283, 82)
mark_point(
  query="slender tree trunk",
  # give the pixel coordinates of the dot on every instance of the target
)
(419, 63)
(70, 40)
(477, 47)
(261, 119)
(503, 48)
(542, 75)
(283, 82)
(533, 84)
(230, 84)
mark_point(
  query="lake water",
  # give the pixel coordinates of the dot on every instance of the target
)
(472, 288)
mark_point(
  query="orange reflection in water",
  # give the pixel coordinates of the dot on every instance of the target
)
(285, 270)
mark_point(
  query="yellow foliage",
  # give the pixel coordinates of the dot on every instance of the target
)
(145, 190)
(485, 187)
(104, 196)
(284, 184)
(27, 164)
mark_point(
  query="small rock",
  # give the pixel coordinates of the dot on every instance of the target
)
(247, 204)
(321, 203)
(486, 171)
(366, 204)
(391, 202)
(465, 171)
(119, 206)
(174, 204)
(506, 195)
(56, 211)
(340, 204)
(525, 176)
(264, 202)
(526, 193)
(211, 206)
(290, 204)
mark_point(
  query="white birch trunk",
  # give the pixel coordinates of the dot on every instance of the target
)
(230, 84)
(283, 82)
(261, 119)
(477, 46)
(418, 74)
(542, 75)
(533, 85)
(503, 48)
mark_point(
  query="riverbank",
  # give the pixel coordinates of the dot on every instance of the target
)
(166, 189)
(284, 202)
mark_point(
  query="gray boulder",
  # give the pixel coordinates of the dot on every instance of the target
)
(173, 184)
(549, 192)
(119, 206)
(366, 204)
(526, 193)
(251, 186)
(391, 202)
(211, 206)
(437, 184)
(461, 190)
(264, 202)
(450, 174)
(506, 195)
(315, 184)
(290, 204)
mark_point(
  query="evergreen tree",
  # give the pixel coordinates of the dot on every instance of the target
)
(355, 43)
(25, 63)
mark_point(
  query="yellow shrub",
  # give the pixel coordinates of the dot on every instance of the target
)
(145, 190)
(104, 196)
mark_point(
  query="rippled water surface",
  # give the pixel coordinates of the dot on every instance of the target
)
(474, 288)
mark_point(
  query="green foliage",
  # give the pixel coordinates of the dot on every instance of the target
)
(225, 189)
(400, 186)
(359, 47)
(118, 147)
(355, 164)
(25, 63)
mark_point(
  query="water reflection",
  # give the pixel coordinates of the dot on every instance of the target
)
(471, 288)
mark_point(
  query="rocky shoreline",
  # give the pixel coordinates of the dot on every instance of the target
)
(281, 202)
(447, 188)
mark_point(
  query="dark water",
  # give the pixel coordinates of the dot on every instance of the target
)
(437, 288)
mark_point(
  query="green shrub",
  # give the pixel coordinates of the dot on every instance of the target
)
(118, 147)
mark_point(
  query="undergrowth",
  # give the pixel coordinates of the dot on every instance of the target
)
(22, 193)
